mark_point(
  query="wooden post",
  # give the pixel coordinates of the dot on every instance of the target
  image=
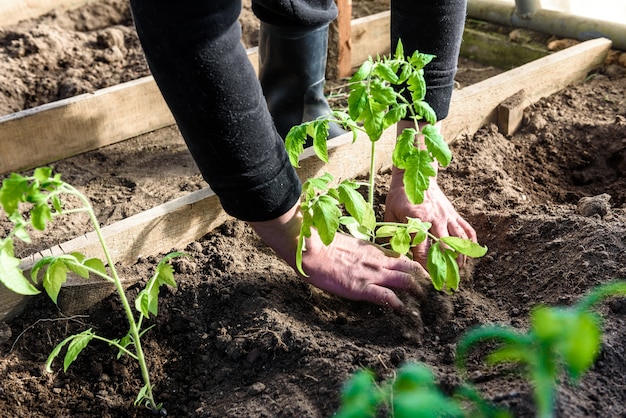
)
(339, 62)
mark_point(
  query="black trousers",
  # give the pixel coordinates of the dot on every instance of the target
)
(194, 52)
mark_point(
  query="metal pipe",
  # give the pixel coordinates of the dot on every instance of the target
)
(548, 21)
(525, 9)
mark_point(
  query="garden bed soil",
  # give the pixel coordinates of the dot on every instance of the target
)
(242, 336)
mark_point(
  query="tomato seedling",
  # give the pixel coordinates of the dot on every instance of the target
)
(375, 103)
(559, 338)
(42, 193)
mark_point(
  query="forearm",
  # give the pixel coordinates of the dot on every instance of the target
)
(196, 57)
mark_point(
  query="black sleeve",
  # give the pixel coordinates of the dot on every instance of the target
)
(194, 52)
(433, 27)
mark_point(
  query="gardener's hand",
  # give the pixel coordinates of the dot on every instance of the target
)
(436, 209)
(348, 267)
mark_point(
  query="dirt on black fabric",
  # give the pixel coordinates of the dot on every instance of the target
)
(242, 336)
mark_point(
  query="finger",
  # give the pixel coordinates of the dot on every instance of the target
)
(382, 296)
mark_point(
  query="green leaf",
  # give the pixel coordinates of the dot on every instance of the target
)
(382, 94)
(424, 110)
(436, 145)
(418, 170)
(357, 101)
(399, 54)
(326, 216)
(294, 143)
(355, 204)
(395, 114)
(465, 246)
(373, 123)
(42, 174)
(575, 335)
(95, 264)
(386, 231)
(363, 72)
(384, 71)
(11, 275)
(359, 396)
(147, 301)
(453, 276)
(404, 148)
(417, 86)
(78, 343)
(355, 228)
(320, 139)
(40, 216)
(437, 266)
(400, 241)
(419, 60)
(54, 277)
(12, 192)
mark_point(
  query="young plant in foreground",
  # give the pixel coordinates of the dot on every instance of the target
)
(42, 194)
(411, 393)
(375, 103)
(559, 338)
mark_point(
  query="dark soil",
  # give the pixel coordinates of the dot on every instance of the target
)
(242, 336)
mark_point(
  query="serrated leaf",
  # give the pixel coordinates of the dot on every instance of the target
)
(436, 145)
(354, 228)
(373, 124)
(417, 173)
(404, 148)
(382, 94)
(384, 71)
(294, 143)
(417, 87)
(394, 115)
(320, 140)
(424, 110)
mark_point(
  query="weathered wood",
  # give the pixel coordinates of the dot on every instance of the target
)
(13, 11)
(475, 105)
(370, 37)
(68, 127)
(511, 113)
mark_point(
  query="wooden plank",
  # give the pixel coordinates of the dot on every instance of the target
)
(174, 224)
(476, 105)
(370, 37)
(13, 11)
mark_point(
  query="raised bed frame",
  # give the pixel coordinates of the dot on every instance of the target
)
(90, 121)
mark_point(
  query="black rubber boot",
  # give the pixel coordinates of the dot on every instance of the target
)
(292, 66)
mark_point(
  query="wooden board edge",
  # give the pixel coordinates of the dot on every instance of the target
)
(14, 11)
(476, 105)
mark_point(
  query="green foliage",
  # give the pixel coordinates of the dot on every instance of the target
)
(560, 338)
(412, 393)
(376, 102)
(34, 201)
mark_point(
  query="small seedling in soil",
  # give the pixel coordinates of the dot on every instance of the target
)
(411, 393)
(375, 103)
(42, 193)
(559, 338)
